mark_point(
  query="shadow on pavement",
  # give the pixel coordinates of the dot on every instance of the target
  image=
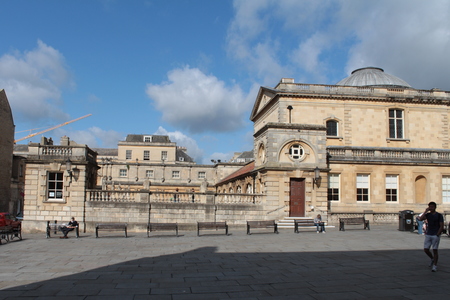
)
(205, 273)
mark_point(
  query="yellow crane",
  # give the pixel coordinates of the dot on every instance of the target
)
(54, 127)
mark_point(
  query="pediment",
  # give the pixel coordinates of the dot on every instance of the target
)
(263, 100)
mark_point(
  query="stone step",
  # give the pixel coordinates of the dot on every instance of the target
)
(288, 222)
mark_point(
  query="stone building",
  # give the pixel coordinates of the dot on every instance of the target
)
(6, 154)
(147, 177)
(56, 180)
(371, 144)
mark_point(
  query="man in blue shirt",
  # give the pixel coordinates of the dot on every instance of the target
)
(435, 222)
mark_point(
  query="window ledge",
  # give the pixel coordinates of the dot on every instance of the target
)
(62, 201)
(335, 137)
(398, 140)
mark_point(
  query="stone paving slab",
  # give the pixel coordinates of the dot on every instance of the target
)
(382, 263)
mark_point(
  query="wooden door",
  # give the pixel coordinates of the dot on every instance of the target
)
(297, 197)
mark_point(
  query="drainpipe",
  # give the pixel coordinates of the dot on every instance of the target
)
(290, 109)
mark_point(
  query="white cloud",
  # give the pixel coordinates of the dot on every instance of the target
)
(198, 102)
(93, 137)
(314, 40)
(216, 156)
(193, 150)
(33, 81)
(409, 39)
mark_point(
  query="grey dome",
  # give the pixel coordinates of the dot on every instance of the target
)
(371, 76)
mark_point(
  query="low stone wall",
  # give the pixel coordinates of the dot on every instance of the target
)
(137, 215)
(374, 218)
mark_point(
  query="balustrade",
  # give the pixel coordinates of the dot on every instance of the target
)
(412, 154)
(56, 150)
(112, 196)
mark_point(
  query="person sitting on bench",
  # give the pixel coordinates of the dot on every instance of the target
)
(319, 224)
(70, 227)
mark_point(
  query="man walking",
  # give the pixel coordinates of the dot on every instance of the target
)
(433, 235)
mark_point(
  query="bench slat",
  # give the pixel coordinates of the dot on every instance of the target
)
(55, 227)
(110, 227)
(353, 221)
(304, 223)
(262, 224)
(212, 225)
(161, 226)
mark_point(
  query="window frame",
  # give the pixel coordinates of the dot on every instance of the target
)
(146, 155)
(445, 183)
(362, 188)
(147, 139)
(163, 155)
(390, 187)
(336, 129)
(128, 154)
(334, 192)
(148, 172)
(176, 172)
(201, 175)
(296, 152)
(57, 189)
(123, 172)
(395, 122)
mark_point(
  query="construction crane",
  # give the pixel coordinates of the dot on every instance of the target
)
(57, 126)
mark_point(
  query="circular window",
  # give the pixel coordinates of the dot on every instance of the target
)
(296, 152)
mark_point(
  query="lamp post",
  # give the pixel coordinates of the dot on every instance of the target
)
(69, 169)
(317, 177)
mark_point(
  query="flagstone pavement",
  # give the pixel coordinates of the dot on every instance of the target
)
(382, 263)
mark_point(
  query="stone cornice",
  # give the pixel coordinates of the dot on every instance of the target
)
(289, 126)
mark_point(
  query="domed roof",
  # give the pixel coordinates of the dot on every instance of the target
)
(371, 76)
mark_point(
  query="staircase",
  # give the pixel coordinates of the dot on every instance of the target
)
(288, 222)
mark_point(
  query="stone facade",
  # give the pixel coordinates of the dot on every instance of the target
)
(6, 154)
(56, 180)
(376, 149)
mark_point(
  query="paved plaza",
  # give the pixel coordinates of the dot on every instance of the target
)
(382, 263)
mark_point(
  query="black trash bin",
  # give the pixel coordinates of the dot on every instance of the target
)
(406, 220)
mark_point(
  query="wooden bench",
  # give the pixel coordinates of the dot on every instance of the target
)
(55, 227)
(5, 232)
(353, 221)
(161, 227)
(304, 223)
(212, 225)
(110, 227)
(262, 224)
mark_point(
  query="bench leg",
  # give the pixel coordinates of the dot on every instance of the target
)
(248, 229)
(341, 226)
(148, 231)
(77, 231)
(176, 230)
(96, 232)
(126, 232)
(275, 230)
(226, 229)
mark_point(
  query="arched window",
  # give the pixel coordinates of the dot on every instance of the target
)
(332, 128)
(249, 189)
(239, 189)
(231, 190)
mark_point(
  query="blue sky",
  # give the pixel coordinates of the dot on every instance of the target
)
(192, 69)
